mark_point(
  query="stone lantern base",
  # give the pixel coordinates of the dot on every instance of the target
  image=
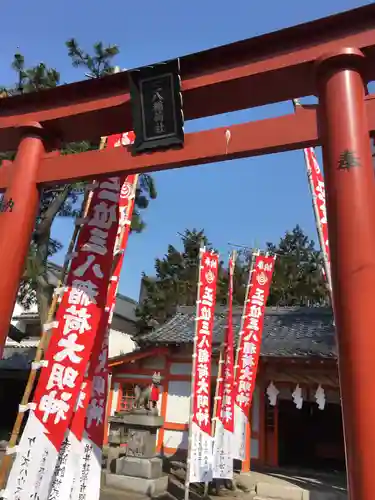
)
(132, 461)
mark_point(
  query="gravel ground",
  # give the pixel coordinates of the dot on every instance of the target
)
(109, 494)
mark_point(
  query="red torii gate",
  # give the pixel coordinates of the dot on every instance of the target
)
(332, 58)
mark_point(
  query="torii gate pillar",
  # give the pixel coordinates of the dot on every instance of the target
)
(17, 222)
(350, 192)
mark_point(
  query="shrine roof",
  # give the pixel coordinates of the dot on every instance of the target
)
(288, 331)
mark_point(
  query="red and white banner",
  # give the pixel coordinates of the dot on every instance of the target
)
(87, 481)
(78, 470)
(224, 419)
(200, 442)
(317, 189)
(77, 321)
(250, 340)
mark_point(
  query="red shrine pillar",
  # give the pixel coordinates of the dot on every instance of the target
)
(17, 219)
(350, 192)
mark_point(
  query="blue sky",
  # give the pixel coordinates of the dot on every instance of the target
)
(245, 201)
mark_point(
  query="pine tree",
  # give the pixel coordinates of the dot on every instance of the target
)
(175, 282)
(298, 278)
(65, 200)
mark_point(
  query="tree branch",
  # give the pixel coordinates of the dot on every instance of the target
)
(52, 211)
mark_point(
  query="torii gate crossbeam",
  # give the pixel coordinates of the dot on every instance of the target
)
(273, 135)
(332, 58)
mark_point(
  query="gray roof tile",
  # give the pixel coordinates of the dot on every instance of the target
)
(294, 331)
(17, 358)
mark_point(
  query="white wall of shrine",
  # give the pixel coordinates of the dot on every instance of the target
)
(178, 404)
(174, 399)
(178, 408)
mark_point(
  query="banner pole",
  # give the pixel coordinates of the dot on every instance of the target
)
(218, 380)
(84, 430)
(255, 253)
(187, 479)
(79, 315)
(327, 266)
(223, 350)
(7, 460)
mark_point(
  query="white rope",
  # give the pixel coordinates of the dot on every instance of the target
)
(11, 451)
(59, 290)
(50, 326)
(36, 365)
(24, 408)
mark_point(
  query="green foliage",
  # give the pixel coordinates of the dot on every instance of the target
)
(175, 281)
(146, 191)
(99, 64)
(32, 79)
(297, 279)
(66, 200)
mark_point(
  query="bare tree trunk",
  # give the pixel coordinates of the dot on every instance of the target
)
(43, 296)
(42, 238)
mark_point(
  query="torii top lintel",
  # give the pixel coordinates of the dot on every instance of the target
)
(269, 68)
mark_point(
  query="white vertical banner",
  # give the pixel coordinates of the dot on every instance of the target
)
(86, 480)
(200, 469)
(224, 405)
(241, 422)
(199, 464)
(67, 463)
(222, 453)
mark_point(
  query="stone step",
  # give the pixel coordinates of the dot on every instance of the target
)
(148, 487)
(177, 490)
(274, 491)
(114, 494)
(268, 491)
(264, 498)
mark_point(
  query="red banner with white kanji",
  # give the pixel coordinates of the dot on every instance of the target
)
(224, 417)
(77, 321)
(200, 442)
(249, 345)
(95, 421)
(82, 447)
(317, 188)
(88, 478)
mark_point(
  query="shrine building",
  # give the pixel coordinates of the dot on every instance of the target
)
(289, 427)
